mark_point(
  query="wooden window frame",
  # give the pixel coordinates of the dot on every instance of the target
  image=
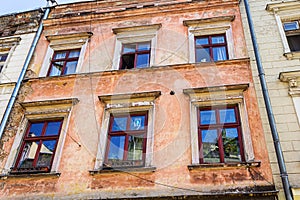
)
(40, 139)
(219, 126)
(126, 133)
(65, 60)
(210, 45)
(135, 53)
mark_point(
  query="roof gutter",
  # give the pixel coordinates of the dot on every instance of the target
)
(23, 72)
(278, 150)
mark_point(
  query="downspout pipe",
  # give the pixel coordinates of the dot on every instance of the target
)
(23, 72)
(278, 150)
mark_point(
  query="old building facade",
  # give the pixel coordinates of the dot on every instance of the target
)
(276, 25)
(16, 35)
(138, 100)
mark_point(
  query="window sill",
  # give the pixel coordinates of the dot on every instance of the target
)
(292, 55)
(27, 175)
(124, 169)
(225, 165)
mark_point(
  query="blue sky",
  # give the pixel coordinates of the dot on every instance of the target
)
(13, 6)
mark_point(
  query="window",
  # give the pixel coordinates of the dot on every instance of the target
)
(135, 46)
(127, 137)
(292, 33)
(136, 55)
(220, 139)
(64, 62)
(211, 48)
(38, 147)
(210, 39)
(3, 58)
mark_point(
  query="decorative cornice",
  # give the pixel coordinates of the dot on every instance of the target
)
(283, 5)
(209, 20)
(153, 27)
(7, 42)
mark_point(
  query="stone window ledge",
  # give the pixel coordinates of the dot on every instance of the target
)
(123, 169)
(225, 165)
(292, 55)
(29, 175)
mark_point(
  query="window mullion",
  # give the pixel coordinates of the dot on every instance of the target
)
(37, 153)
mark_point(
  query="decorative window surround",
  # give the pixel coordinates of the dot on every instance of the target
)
(65, 42)
(126, 103)
(216, 96)
(42, 110)
(209, 26)
(285, 11)
(127, 35)
(293, 78)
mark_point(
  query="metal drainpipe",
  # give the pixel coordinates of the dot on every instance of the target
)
(22, 74)
(279, 154)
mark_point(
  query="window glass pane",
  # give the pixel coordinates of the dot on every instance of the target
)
(289, 26)
(53, 128)
(129, 48)
(28, 154)
(207, 117)
(143, 46)
(56, 68)
(74, 54)
(218, 39)
(60, 55)
(135, 148)
(294, 42)
(142, 60)
(46, 153)
(219, 53)
(231, 145)
(227, 116)
(202, 55)
(137, 123)
(119, 124)
(116, 148)
(210, 146)
(70, 67)
(128, 61)
(36, 129)
(201, 41)
(3, 57)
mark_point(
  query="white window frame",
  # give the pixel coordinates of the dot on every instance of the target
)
(285, 12)
(210, 26)
(216, 96)
(42, 110)
(127, 103)
(65, 42)
(128, 35)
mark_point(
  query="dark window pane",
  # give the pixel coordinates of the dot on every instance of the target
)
(142, 60)
(119, 124)
(28, 154)
(202, 55)
(3, 57)
(294, 42)
(218, 39)
(129, 48)
(210, 146)
(70, 67)
(53, 128)
(46, 153)
(227, 116)
(143, 46)
(231, 145)
(60, 55)
(219, 53)
(128, 61)
(207, 117)
(1, 67)
(201, 41)
(36, 129)
(116, 148)
(56, 68)
(135, 147)
(74, 54)
(137, 123)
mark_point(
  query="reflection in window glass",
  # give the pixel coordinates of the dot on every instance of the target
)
(70, 67)
(135, 147)
(28, 155)
(227, 115)
(53, 128)
(207, 117)
(36, 129)
(219, 53)
(210, 146)
(202, 55)
(231, 145)
(142, 60)
(116, 148)
(137, 123)
(119, 124)
(46, 153)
